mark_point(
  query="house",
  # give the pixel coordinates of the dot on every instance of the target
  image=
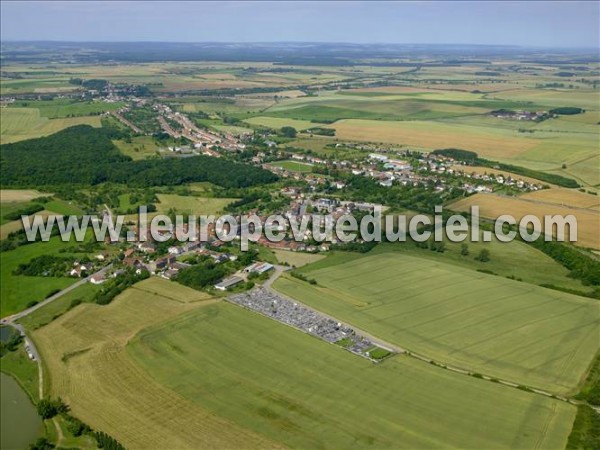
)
(227, 283)
(192, 245)
(98, 278)
(164, 262)
(102, 256)
(147, 247)
(169, 273)
(174, 250)
(378, 157)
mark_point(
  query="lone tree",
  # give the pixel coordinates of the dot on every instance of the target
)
(289, 132)
(483, 256)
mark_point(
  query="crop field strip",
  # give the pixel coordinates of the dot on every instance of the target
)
(321, 392)
(492, 206)
(521, 333)
(26, 123)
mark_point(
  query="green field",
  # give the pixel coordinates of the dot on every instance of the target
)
(305, 393)
(506, 260)
(491, 325)
(277, 123)
(18, 290)
(140, 147)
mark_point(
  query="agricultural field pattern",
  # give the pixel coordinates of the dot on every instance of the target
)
(151, 342)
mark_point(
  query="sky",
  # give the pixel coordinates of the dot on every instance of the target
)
(532, 23)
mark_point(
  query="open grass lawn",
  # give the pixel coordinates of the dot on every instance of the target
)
(39, 85)
(294, 166)
(296, 259)
(18, 365)
(89, 367)
(17, 124)
(192, 204)
(140, 147)
(15, 225)
(379, 108)
(491, 206)
(304, 393)
(583, 98)
(492, 325)
(7, 208)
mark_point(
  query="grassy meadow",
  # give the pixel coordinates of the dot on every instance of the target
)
(487, 324)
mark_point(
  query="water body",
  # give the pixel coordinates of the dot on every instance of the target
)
(20, 424)
(6, 333)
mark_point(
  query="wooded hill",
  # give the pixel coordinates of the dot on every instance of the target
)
(83, 156)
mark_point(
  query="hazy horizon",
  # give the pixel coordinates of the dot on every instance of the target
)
(544, 24)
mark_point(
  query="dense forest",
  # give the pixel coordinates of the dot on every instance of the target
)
(83, 156)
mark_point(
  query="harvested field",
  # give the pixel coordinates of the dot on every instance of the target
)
(565, 197)
(491, 206)
(487, 142)
(89, 366)
(20, 195)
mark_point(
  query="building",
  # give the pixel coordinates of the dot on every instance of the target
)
(98, 278)
(227, 283)
(259, 268)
